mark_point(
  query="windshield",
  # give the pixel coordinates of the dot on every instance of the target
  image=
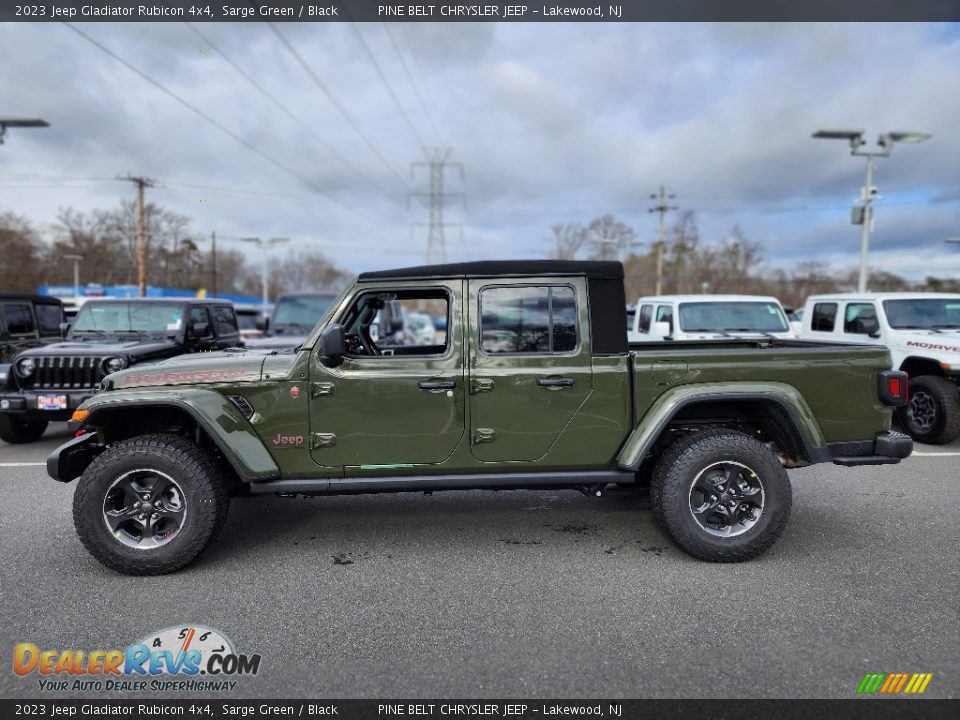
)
(247, 320)
(732, 316)
(300, 312)
(923, 313)
(147, 318)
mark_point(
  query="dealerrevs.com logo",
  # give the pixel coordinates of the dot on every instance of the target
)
(187, 658)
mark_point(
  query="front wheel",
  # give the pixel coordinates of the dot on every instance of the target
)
(933, 413)
(721, 495)
(16, 430)
(149, 505)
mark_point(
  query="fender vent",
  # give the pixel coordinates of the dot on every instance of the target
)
(243, 405)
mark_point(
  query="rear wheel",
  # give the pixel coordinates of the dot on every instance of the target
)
(932, 414)
(16, 430)
(149, 505)
(721, 495)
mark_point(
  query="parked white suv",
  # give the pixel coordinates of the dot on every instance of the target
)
(701, 317)
(922, 331)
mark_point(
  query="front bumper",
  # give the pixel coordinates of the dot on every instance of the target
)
(887, 448)
(68, 461)
(29, 402)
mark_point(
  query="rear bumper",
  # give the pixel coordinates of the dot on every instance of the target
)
(887, 448)
(68, 461)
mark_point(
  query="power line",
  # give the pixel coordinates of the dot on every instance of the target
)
(194, 109)
(286, 111)
(389, 87)
(413, 81)
(335, 101)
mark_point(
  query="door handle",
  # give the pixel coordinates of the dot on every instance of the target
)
(555, 383)
(433, 385)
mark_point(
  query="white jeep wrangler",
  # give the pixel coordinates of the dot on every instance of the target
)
(705, 317)
(922, 331)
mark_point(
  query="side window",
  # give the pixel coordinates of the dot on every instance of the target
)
(665, 314)
(200, 315)
(646, 314)
(860, 318)
(49, 317)
(385, 323)
(19, 319)
(824, 317)
(538, 319)
(225, 321)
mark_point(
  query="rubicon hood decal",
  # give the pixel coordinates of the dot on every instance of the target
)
(187, 377)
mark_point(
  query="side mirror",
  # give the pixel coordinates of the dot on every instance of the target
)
(200, 330)
(263, 323)
(333, 343)
(64, 329)
(661, 329)
(870, 326)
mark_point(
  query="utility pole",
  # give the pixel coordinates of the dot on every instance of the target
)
(265, 265)
(437, 161)
(661, 209)
(141, 183)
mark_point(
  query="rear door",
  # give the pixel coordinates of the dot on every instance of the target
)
(529, 364)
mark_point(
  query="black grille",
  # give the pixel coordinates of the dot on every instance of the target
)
(67, 373)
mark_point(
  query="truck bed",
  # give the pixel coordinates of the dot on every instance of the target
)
(827, 376)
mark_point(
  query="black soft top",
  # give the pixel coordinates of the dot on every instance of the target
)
(601, 270)
(29, 297)
(608, 307)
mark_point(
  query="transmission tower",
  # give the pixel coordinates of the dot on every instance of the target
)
(438, 160)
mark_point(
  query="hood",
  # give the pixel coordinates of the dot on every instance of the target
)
(193, 369)
(122, 348)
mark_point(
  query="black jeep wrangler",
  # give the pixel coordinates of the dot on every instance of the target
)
(27, 321)
(47, 383)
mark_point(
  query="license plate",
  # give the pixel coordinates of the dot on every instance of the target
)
(51, 402)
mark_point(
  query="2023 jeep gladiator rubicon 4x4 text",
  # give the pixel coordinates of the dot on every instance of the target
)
(533, 385)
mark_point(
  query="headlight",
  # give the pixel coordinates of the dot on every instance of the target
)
(26, 367)
(112, 365)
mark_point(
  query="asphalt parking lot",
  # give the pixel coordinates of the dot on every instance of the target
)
(516, 594)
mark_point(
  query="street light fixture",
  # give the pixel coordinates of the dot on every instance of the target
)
(23, 122)
(863, 213)
(264, 267)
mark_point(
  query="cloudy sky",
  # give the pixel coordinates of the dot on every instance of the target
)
(552, 122)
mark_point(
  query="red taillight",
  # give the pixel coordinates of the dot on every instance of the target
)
(893, 386)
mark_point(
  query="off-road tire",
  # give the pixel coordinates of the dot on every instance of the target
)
(205, 497)
(676, 473)
(945, 399)
(16, 430)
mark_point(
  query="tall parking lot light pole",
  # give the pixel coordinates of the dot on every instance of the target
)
(265, 265)
(76, 272)
(863, 214)
(9, 122)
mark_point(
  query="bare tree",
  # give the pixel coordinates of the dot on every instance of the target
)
(610, 238)
(568, 240)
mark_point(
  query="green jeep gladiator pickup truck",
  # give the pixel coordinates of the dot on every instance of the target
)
(532, 385)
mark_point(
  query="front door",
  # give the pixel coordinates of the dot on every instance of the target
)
(530, 364)
(397, 400)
